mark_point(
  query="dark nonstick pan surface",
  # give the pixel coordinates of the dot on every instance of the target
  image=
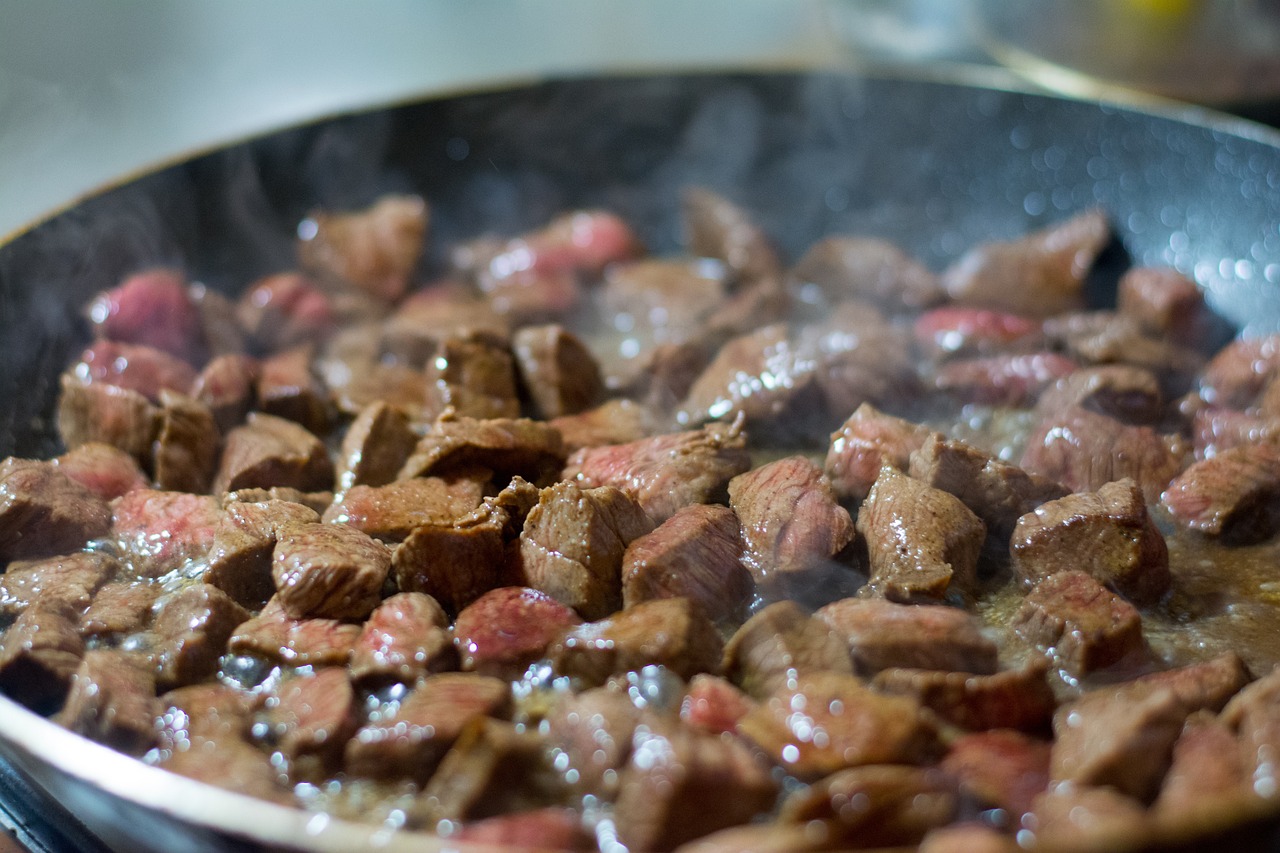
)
(934, 166)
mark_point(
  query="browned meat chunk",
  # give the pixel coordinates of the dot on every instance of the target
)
(73, 579)
(405, 639)
(612, 422)
(228, 386)
(426, 317)
(552, 828)
(287, 388)
(39, 653)
(390, 513)
(120, 607)
(865, 442)
(868, 268)
(881, 635)
(113, 701)
(476, 376)
(104, 470)
(239, 560)
(790, 521)
(958, 331)
(1166, 303)
(1234, 495)
(1038, 275)
(1085, 625)
(285, 310)
(1082, 817)
(309, 720)
(329, 571)
(269, 451)
(923, 543)
(506, 629)
(694, 554)
(968, 838)
(1121, 391)
(526, 448)
(997, 492)
(901, 804)
(765, 838)
(375, 249)
(558, 372)
(666, 472)
(1107, 534)
(410, 742)
(134, 367)
(187, 442)
(1000, 768)
(572, 545)
(158, 531)
(670, 632)
(591, 734)
(680, 785)
(96, 412)
(1207, 772)
(152, 308)
(44, 512)
(1112, 737)
(276, 636)
(456, 561)
(714, 705)
(843, 723)
(375, 446)
(212, 710)
(191, 628)
(1207, 685)
(1105, 337)
(1002, 380)
(1215, 430)
(494, 768)
(1011, 699)
(780, 643)
(1240, 371)
(718, 228)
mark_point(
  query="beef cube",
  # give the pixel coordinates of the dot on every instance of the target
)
(90, 412)
(152, 308)
(233, 764)
(113, 701)
(240, 557)
(508, 447)
(456, 561)
(572, 545)
(1105, 337)
(212, 710)
(494, 768)
(1206, 685)
(997, 492)
(557, 370)
(1107, 534)
(583, 241)
(44, 512)
(1254, 714)
(287, 388)
(411, 741)
(134, 367)
(269, 451)
(1113, 737)
(1000, 768)
(1038, 275)
(390, 513)
(717, 228)
(1080, 817)
(39, 653)
(842, 723)
(187, 442)
(476, 376)
(309, 719)
(1011, 699)
(1167, 303)
(328, 571)
(103, 469)
(375, 249)
(191, 628)
(923, 543)
(1207, 772)
(868, 440)
(405, 639)
(780, 643)
(666, 472)
(228, 386)
(1003, 380)
(670, 632)
(714, 705)
(954, 331)
(374, 446)
(591, 733)
(789, 519)
(967, 838)
(158, 531)
(505, 630)
(694, 554)
(882, 635)
(119, 608)
(765, 838)
(285, 310)
(1215, 430)
(680, 785)
(73, 579)
(1129, 394)
(425, 317)
(276, 636)
(552, 828)
(1085, 625)
(612, 422)
(1240, 371)
(664, 376)
(868, 268)
(1232, 495)
(317, 501)
(763, 300)
(900, 804)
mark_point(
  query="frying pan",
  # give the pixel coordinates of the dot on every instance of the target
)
(934, 165)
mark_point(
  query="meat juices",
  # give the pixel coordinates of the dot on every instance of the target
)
(577, 546)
